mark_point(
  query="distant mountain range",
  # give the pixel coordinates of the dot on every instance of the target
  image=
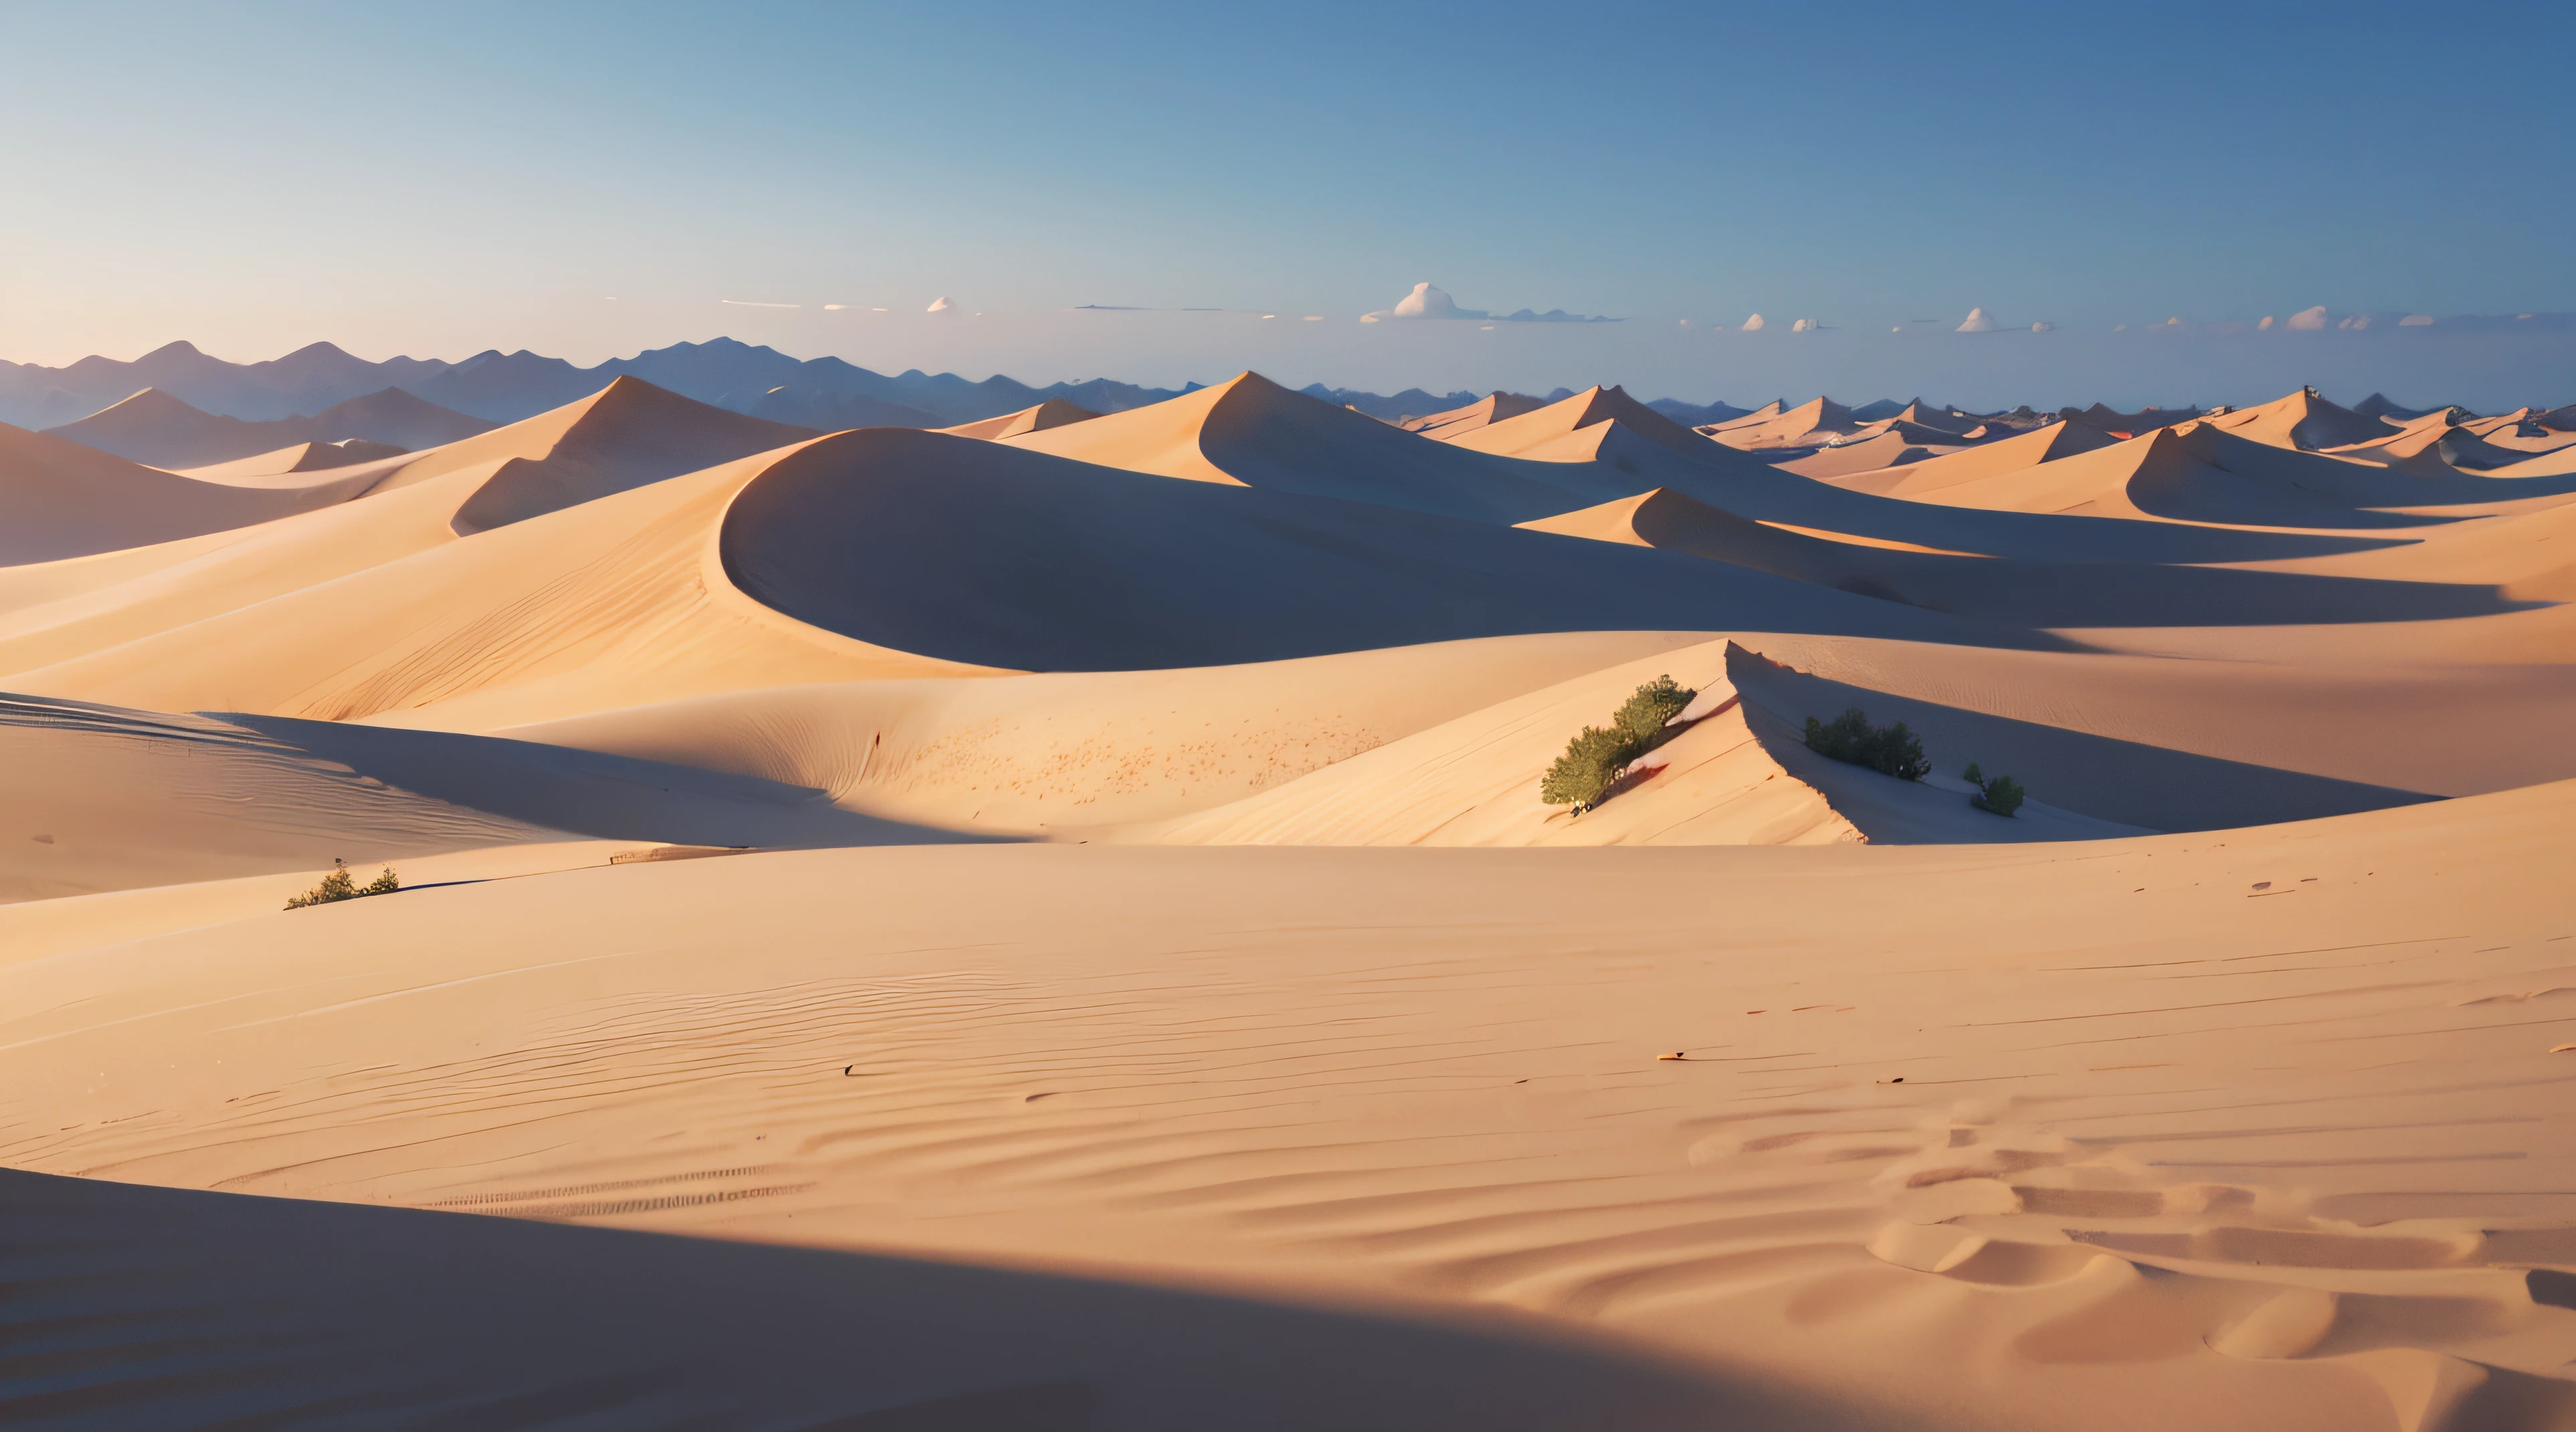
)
(497, 387)
(505, 387)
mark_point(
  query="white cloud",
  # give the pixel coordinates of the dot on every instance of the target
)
(1805, 325)
(2266, 323)
(743, 303)
(939, 305)
(2309, 319)
(2042, 327)
(1428, 302)
(1977, 322)
(1753, 324)
(2416, 320)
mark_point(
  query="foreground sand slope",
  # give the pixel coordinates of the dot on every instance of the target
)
(2256, 1130)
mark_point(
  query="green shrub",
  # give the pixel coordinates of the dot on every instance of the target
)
(341, 885)
(1890, 750)
(2002, 795)
(1594, 758)
(1642, 717)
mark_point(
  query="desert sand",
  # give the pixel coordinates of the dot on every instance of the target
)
(1053, 923)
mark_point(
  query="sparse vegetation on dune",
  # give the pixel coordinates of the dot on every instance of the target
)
(2001, 795)
(1594, 759)
(1890, 750)
(341, 885)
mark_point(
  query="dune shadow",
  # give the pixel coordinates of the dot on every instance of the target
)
(2128, 782)
(138, 1307)
(984, 553)
(2056, 594)
(590, 792)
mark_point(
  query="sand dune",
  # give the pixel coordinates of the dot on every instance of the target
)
(1588, 450)
(1053, 413)
(616, 602)
(2048, 1183)
(2012, 454)
(1251, 432)
(1457, 422)
(1807, 425)
(1535, 433)
(978, 553)
(625, 435)
(112, 799)
(2301, 420)
(1736, 776)
(2172, 475)
(1065, 753)
(296, 461)
(65, 500)
(2128, 425)
(2039, 594)
(157, 428)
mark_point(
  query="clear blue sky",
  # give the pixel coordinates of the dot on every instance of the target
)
(444, 178)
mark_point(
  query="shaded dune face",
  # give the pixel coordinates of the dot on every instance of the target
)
(539, 1324)
(973, 552)
(2128, 782)
(2020, 592)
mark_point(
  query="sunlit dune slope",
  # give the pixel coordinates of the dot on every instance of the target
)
(1053, 413)
(2258, 1130)
(1592, 448)
(615, 602)
(1061, 752)
(625, 435)
(989, 554)
(2301, 420)
(2013, 454)
(1455, 423)
(297, 465)
(1251, 432)
(1532, 434)
(2174, 476)
(146, 614)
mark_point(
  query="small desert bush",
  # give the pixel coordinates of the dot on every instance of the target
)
(2001, 795)
(1891, 750)
(1595, 757)
(341, 885)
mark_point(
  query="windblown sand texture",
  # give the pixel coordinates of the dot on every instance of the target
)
(1051, 923)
